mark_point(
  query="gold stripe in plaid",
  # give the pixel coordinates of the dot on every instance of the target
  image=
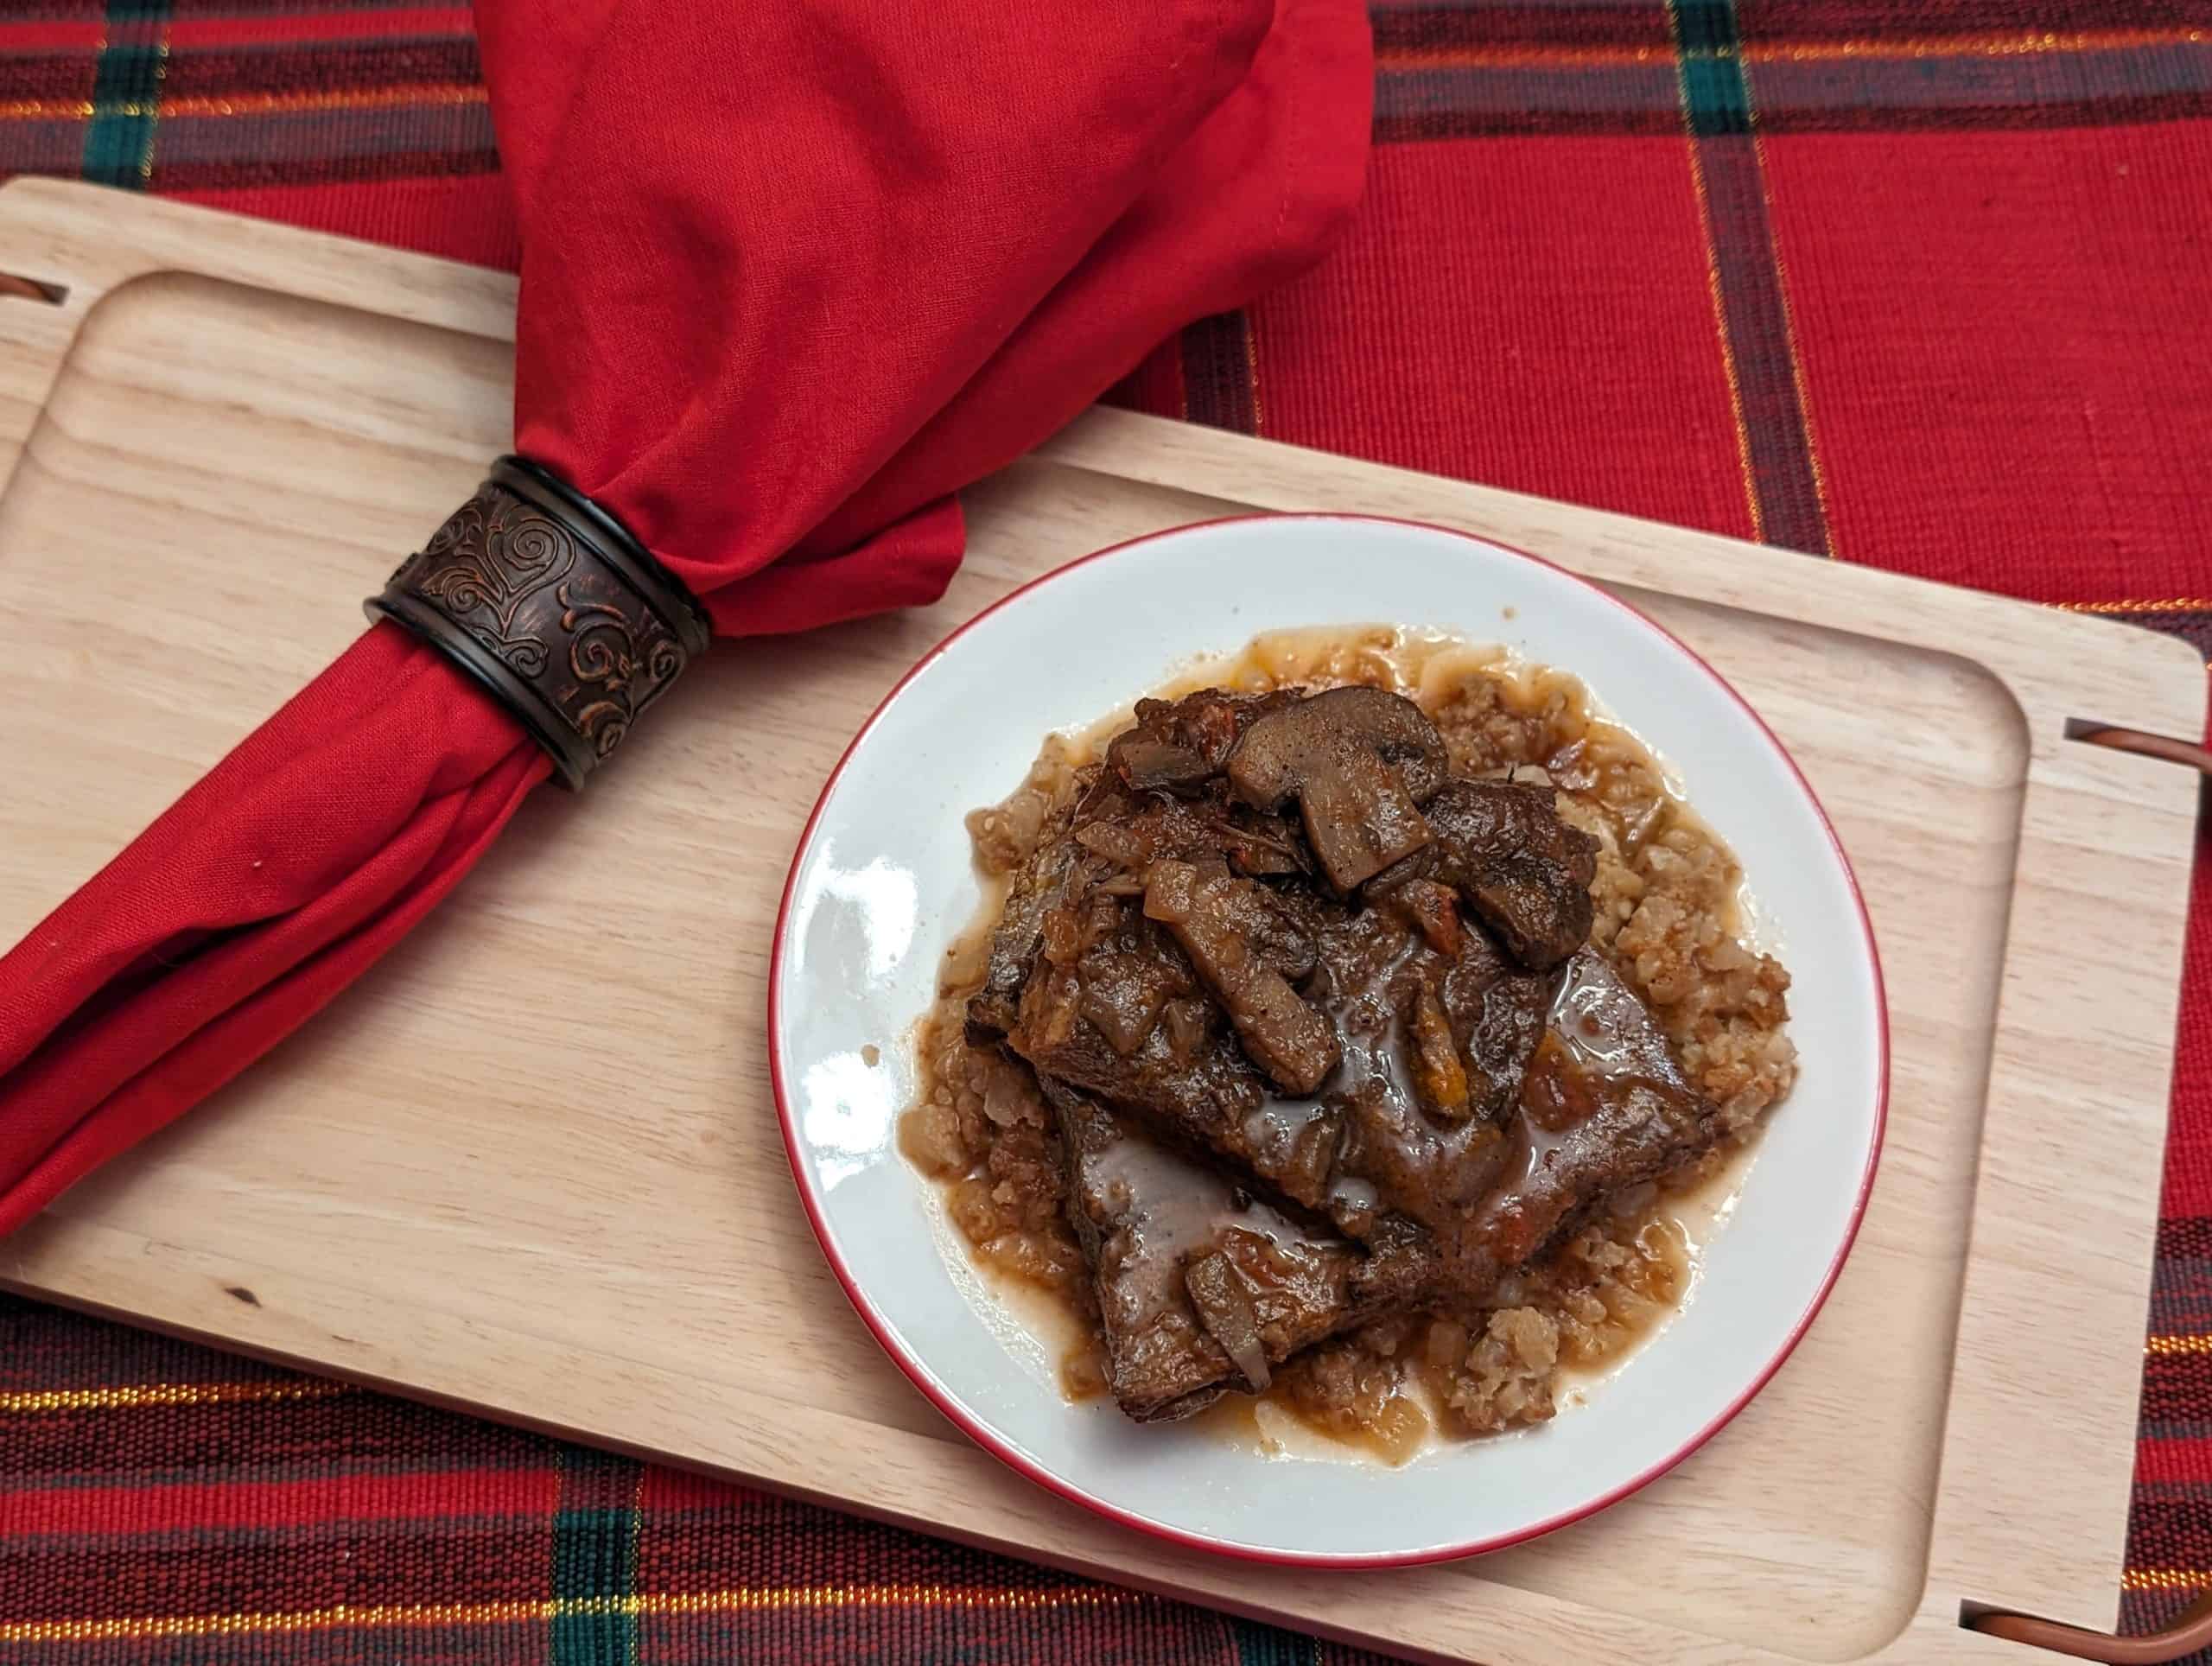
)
(2164, 1579)
(34, 1401)
(2169, 605)
(247, 104)
(2022, 44)
(680, 1604)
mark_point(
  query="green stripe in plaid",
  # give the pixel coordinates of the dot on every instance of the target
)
(595, 1560)
(1712, 73)
(1264, 1645)
(1747, 279)
(127, 93)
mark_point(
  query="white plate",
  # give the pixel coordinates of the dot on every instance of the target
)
(884, 880)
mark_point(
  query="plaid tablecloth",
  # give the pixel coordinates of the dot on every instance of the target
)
(1926, 283)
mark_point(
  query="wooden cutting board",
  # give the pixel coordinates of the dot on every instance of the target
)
(225, 433)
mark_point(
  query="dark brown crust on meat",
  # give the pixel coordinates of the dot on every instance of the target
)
(1433, 1099)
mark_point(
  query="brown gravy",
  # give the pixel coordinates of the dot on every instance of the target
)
(1385, 1392)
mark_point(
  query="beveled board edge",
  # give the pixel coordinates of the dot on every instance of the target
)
(1993, 1541)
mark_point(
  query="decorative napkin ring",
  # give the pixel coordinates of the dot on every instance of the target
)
(546, 599)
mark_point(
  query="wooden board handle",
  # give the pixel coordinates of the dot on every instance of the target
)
(2165, 746)
(16, 287)
(2188, 1634)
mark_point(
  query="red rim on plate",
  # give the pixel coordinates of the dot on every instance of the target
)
(1015, 1459)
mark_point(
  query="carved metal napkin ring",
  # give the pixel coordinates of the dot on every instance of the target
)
(547, 601)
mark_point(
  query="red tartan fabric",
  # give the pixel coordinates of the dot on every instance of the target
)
(1916, 284)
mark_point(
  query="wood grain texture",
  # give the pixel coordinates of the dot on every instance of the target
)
(433, 1188)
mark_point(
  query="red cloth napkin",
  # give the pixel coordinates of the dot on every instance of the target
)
(793, 272)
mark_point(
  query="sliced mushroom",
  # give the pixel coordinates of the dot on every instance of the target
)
(1224, 1308)
(1525, 872)
(1178, 747)
(1394, 727)
(1211, 915)
(1359, 761)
